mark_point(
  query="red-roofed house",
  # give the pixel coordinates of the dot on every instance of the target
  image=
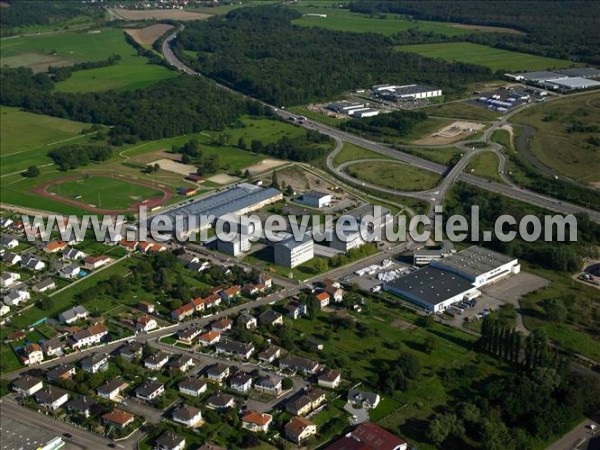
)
(183, 311)
(377, 438)
(146, 323)
(93, 262)
(230, 293)
(55, 247)
(210, 338)
(256, 422)
(130, 246)
(266, 280)
(32, 354)
(323, 299)
(221, 325)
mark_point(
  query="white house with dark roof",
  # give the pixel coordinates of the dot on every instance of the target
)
(73, 315)
(51, 397)
(192, 387)
(149, 390)
(156, 361)
(189, 416)
(27, 385)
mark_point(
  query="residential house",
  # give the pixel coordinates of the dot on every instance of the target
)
(298, 364)
(220, 401)
(70, 271)
(83, 406)
(183, 311)
(330, 379)
(62, 372)
(222, 325)
(256, 422)
(45, 285)
(335, 293)
(198, 266)
(4, 309)
(146, 307)
(169, 441)
(249, 290)
(32, 354)
(376, 438)
(146, 323)
(218, 372)
(89, 336)
(9, 242)
(16, 297)
(11, 258)
(6, 222)
(73, 254)
(118, 418)
(183, 363)
(53, 347)
(270, 354)
(55, 246)
(51, 397)
(242, 350)
(188, 335)
(95, 262)
(130, 246)
(156, 361)
(241, 382)
(266, 280)
(193, 387)
(149, 390)
(188, 258)
(27, 385)
(269, 384)
(187, 415)
(299, 429)
(248, 321)
(305, 402)
(231, 293)
(364, 398)
(270, 318)
(131, 351)
(210, 338)
(73, 315)
(295, 309)
(95, 363)
(323, 299)
(112, 389)
(7, 279)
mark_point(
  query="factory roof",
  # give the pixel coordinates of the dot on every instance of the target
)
(226, 202)
(408, 89)
(584, 72)
(430, 285)
(292, 243)
(315, 194)
(474, 261)
(576, 83)
(541, 75)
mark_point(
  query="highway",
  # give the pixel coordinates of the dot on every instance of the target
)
(509, 190)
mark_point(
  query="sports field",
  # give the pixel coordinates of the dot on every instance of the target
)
(105, 192)
(131, 72)
(483, 55)
(395, 176)
(27, 138)
(388, 24)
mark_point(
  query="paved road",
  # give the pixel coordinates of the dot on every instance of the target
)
(577, 436)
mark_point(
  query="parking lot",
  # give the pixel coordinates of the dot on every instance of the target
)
(377, 276)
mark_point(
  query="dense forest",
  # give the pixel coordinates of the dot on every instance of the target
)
(22, 13)
(558, 29)
(564, 257)
(259, 51)
(397, 124)
(172, 107)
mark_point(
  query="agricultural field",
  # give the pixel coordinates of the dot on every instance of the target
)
(388, 24)
(567, 135)
(396, 176)
(131, 72)
(104, 191)
(27, 138)
(158, 14)
(485, 165)
(148, 35)
(483, 55)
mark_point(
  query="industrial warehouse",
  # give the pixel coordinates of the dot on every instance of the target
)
(453, 278)
(408, 92)
(561, 80)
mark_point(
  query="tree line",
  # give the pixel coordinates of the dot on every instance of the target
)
(308, 147)
(77, 155)
(259, 52)
(558, 29)
(395, 124)
(64, 72)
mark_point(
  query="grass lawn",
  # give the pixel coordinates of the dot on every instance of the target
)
(396, 176)
(351, 152)
(132, 71)
(439, 155)
(105, 192)
(502, 137)
(485, 165)
(483, 55)
(461, 110)
(388, 24)
(317, 116)
(569, 153)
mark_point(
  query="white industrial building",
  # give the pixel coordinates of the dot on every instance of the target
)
(572, 83)
(363, 112)
(453, 278)
(316, 199)
(409, 91)
(291, 253)
(344, 107)
(375, 218)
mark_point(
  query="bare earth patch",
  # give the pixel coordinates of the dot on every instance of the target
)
(38, 62)
(264, 165)
(465, 26)
(147, 36)
(159, 14)
(454, 132)
(222, 178)
(174, 166)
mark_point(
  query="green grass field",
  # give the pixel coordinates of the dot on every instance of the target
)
(351, 152)
(104, 192)
(439, 155)
(131, 72)
(395, 176)
(483, 55)
(388, 24)
(570, 153)
(485, 165)
(503, 138)
(27, 138)
(460, 110)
